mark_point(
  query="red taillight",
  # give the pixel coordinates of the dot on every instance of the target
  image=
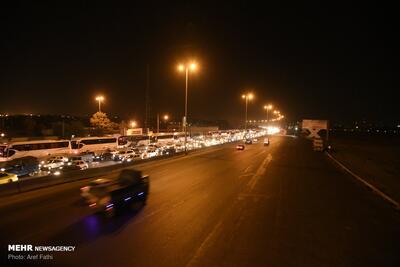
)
(85, 188)
(92, 205)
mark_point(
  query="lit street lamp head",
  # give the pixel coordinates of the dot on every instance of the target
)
(166, 117)
(100, 98)
(181, 67)
(190, 66)
(248, 96)
(268, 107)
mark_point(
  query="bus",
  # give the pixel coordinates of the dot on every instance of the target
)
(133, 140)
(167, 138)
(96, 144)
(38, 149)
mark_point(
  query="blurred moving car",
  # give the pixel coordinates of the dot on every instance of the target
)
(130, 189)
(85, 190)
(266, 141)
(6, 177)
(240, 147)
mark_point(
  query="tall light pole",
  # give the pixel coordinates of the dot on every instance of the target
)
(268, 108)
(186, 67)
(165, 117)
(100, 99)
(247, 97)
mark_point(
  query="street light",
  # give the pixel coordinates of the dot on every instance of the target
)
(247, 97)
(133, 124)
(186, 67)
(268, 107)
(100, 99)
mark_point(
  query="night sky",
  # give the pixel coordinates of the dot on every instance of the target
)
(338, 62)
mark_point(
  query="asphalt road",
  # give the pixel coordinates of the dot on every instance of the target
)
(282, 205)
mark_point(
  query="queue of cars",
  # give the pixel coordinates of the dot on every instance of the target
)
(58, 164)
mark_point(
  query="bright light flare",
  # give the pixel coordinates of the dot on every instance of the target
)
(268, 107)
(190, 66)
(181, 67)
(248, 96)
(100, 98)
(272, 130)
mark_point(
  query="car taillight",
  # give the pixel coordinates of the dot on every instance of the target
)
(85, 188)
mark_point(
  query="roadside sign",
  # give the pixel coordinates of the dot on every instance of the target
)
(313, 127)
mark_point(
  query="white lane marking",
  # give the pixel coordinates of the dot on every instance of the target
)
(373, 188)
(260, 171)
(246, 175)
(245, 170)
(254, 196)
(200, 251)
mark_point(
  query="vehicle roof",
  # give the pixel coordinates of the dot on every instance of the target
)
(36, 142)
(93, 137)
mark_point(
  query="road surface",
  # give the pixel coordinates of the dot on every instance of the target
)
(282, 205)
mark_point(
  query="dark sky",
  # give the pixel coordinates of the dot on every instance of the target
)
(336, 61)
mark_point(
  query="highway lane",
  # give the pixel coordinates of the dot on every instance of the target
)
(281, 205)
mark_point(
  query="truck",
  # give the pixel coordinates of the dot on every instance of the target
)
(130, 189)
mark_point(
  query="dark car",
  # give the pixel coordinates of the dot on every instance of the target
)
(64, 169)
(105, 156)
(27, 166)
(248, 142)
(130, 189)
(168, 151)
(240, 147)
